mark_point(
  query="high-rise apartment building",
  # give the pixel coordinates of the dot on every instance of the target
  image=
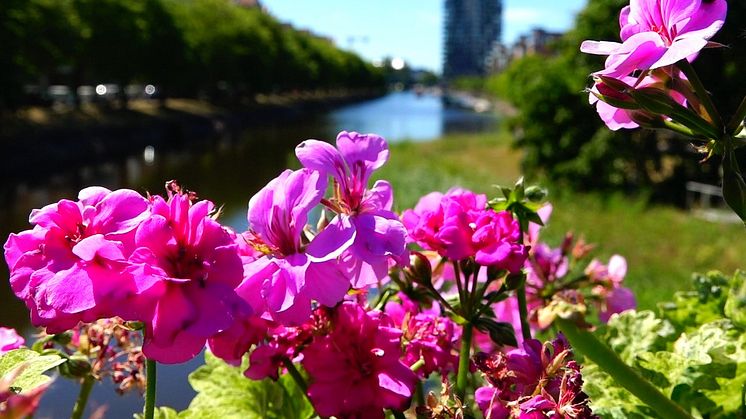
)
(471, 29)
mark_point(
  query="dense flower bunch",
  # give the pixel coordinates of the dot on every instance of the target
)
(369, 375)
(69, 267)
(427, 336)
(156, 278)
(554, 276)
(538, 381)
(459, 225)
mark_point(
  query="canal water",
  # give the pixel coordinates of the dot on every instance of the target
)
(228, 170)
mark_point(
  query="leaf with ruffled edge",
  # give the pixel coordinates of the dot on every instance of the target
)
(33, 364)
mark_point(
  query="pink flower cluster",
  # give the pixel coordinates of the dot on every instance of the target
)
(655, 34)
(369, 376)
(427, 336)
(538, 381)
(165, 263)
(549, 275)
(370, 372)
(458, 225)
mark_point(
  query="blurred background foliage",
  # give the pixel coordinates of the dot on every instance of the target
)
(562, 139)
(210, 49)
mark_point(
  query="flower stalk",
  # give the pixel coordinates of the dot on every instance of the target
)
(152, 377)
(588, 345)
(523, 311)
(464, 358)
(295, 374)
(85, 391)
(738, 118)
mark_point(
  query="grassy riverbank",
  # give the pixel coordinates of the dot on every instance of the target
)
(663, 245)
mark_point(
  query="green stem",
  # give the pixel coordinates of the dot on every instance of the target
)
(461, 295)
(702, 92)
(473, 298)
(523, 311)
(738, 118)
(464, 358)
(587, 344)
(398, 415)
(420, 393)
(295, 374)
(152, 379)
(85, 390)
(676, 127)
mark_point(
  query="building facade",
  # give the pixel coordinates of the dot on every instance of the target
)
(471, 29)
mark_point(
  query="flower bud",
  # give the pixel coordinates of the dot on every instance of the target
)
(654, 100)
(420, 271)
(77, 366)
(535, 193)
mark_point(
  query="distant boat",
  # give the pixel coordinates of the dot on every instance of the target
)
(466, 101)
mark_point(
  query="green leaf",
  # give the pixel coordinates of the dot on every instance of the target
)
(704, 304)
(224, 392)
(631, 333)
(734, 185)
(33, 364)
(609, 400)
(693, 353)
(735, 305)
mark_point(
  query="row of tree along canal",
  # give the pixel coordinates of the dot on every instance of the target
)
(212, 49)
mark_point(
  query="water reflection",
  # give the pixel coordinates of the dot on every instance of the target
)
(226, 169)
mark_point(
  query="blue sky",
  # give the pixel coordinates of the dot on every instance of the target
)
(411, 29)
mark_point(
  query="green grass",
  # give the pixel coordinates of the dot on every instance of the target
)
(663, 245)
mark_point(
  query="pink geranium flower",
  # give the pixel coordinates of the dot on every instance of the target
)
(68, 268)
(658, 33)
(458, 225)
(355, 368)
(427, 335)
(9, 340)
(362, 213)
(293, 270)
(538, 381)
(186, 267)
(608, 286)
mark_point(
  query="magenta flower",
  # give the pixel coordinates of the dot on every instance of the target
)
(362, 213)
(355, 368)
(442, 222)
(607, 280)
(616, 118)
(186, 267)
(658, 33)
(427, 335)
(293, 271)
(9, 340)
(68, 268)
(458, 225)
(540, 380)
